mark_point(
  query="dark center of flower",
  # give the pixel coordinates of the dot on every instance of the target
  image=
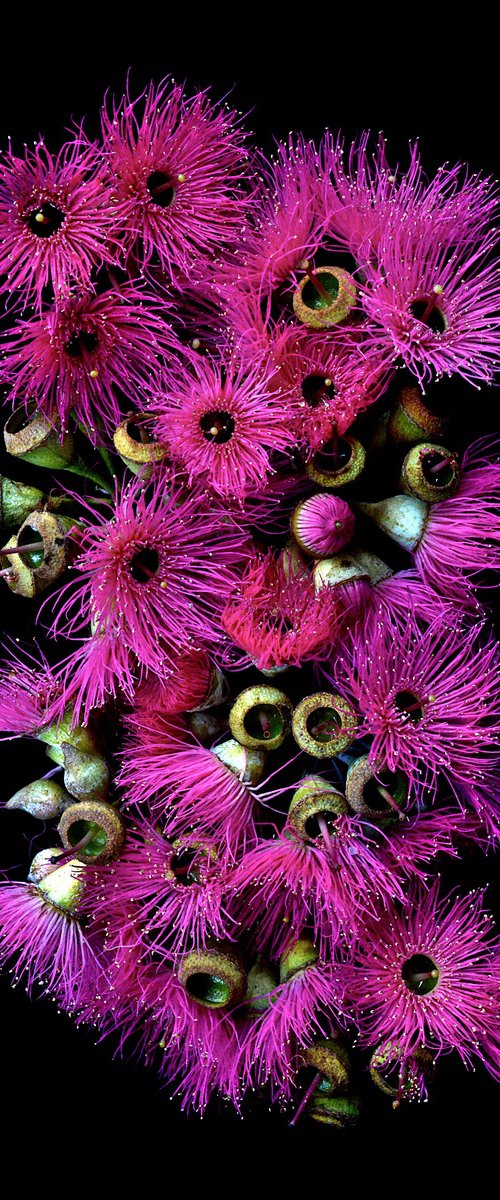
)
(27, 537)
(316, 389)
(438, 470)
(161, 188)
(378, 792)
(144, 565)
(312, 298)
(420, 974)
(409, 705)
(186, 866)
(428, 312)
(210, 989)
(333, 455)
(80, 343)
(45, 220)
(137, 432)
(87, 832)
(217, 426)
(263, 721)
(315, 824)
(323, 724)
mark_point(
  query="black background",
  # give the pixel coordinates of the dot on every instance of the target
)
(303, 72)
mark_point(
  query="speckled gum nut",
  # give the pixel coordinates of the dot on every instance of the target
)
(26, 578)
(411, 421)
(269, 700)
(341, 739)
(416, 482)
(109, 835)
(314, 795)
(361, 773)
(331, 314)
(332, 1058)
(345, 474)
(214, 977)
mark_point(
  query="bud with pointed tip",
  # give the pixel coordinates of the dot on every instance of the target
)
(136, 449)
(298, 956)
(215, 977)
(261, 717)
(82, 737)
(246, 763)
(339, 466)
(32, 437)
(43, 799)
(430, 472)
(339, 569)
(376, 568)
(403, 518)
(94, 829)
(324, 724)
(86, 776)
(17, 501)
(411, 421)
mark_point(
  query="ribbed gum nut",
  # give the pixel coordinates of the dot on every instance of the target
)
(298, 956)
(313, 796)
(324, 724)
(215, 977)
(138, 455)
(246, 763)
(261, 717)
(341, 568)
(332, 1058)
(47, 563)
(260, 981)
(82, 737)
(33, 438)
(417, 478)
(403, 518)
(320, 472)
(411, 421)
(101, 823)
(43, 799)
(338, 527)
(361, 774)
(64, 886)
(17, 501)
(217, 692)
(340, 1112)
(375, 567)
(42, 864)
(86, 776)
(314, 310)
(206, 726)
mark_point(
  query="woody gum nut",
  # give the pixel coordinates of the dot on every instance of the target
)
(337, 469)
(86, 776)
(214, 977)
(330, 1057)
(17, 501)
(246, 763)
(314, 797)
(40, 566)
(135, 448)
(298, 956)
(412, 421)
(43, 799)
(365, 792)
(324, 724)
(99, 824)
(422, 476)
(320, 311)
(32, 437)
(261, 716)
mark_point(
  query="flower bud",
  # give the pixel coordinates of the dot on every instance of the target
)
(336, 466)
(215, 977)
(247, 764)
(206, 726)
(86, 776)
(217, 692)
(44, 863)
(339, 569)
(430, 472)
(341, 1112)
(33, 438)
(63, 886)
(324, 724)
(96, 823)
(298, 956)
(17, 501)
(82, 737)
(261, 717)
(43, 799)
(402, 518)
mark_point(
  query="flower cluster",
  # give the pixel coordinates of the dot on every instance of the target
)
(266, 673)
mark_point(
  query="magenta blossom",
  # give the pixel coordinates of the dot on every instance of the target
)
(90, 354)
(28, 690)
(56, 219)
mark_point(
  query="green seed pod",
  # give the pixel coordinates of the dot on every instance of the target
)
(377, 799)
(332, 1058)
(43, 799)
(82, 737)
(412, 422)
(339, 466)
(341, 1112)
(324, 724)
(32, 437)
(215, 977)
(17, 501)
(100, 825)
(86, 776)
(430, 472)
(298, 956)
(63, 886)
(314, 798)
(328, 305)
(247, 764)
(261, 980)
(136, 449)
(261, 717)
